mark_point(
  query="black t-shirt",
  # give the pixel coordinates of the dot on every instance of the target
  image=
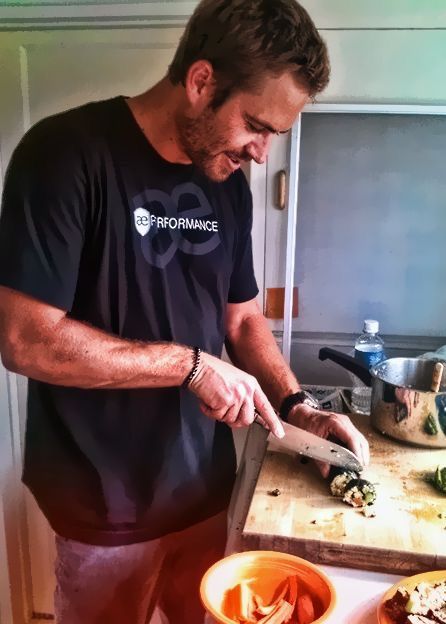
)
(96, 223)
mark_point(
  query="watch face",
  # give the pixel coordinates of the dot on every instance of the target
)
(310, 400)
(311, 403)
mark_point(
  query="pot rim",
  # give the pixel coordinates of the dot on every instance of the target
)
(374, 373)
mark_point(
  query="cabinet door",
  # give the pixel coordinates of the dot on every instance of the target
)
(43, 73)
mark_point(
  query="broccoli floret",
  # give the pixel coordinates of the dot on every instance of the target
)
(439, 479)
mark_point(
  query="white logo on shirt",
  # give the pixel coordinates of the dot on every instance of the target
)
(159, 249)
(142, 220)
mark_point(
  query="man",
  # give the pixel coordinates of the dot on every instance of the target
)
(125, 255)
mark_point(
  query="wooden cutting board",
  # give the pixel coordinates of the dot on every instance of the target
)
(408, 534)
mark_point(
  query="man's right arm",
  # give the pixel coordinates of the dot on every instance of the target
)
(39, 341)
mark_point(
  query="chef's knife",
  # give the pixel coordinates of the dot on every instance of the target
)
(311, 445)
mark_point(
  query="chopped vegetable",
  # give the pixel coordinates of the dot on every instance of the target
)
(244, 606)
(423, 605)
(439, 479)
(246, 602)
(281, 613)
(339, 483)
(292, 594)
(430, 426)
(368, 511)
(281, 591)
(440, 403)
(354, 491)
(275, 492)
(359, 493)
(305, 609)
(239, 602)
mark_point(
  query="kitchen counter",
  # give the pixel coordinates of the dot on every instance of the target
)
(358, 591)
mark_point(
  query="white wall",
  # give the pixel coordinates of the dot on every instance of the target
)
(327, 14)
(363, 14)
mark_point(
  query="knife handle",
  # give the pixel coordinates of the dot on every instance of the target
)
(259, 420)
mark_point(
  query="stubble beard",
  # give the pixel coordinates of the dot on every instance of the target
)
(199, 140)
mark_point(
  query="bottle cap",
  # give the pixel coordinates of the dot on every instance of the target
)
(371, 327)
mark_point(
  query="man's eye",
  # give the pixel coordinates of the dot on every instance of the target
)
(252, 128)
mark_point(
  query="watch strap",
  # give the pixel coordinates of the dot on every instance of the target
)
(296, 399)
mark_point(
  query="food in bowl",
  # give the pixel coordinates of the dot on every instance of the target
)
(288, 604)
(425, 604)
(262, 579)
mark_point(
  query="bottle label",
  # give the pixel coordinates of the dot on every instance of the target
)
(369, 358)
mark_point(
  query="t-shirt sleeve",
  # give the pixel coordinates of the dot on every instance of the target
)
(44, 210)
(243, 285)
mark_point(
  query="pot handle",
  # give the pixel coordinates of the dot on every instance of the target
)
(347, 362)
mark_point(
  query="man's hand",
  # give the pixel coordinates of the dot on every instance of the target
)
(230, 395)
(327, 424)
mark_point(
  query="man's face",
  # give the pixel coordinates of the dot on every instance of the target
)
(241, 129)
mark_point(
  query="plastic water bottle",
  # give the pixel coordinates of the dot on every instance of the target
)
(369, 350)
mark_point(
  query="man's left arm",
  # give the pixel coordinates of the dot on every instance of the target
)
(252, 347)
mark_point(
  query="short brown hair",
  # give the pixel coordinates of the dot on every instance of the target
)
(243, 39)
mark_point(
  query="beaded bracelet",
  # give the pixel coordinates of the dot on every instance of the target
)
(194, 371)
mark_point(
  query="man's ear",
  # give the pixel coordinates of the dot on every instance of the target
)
(200, 84)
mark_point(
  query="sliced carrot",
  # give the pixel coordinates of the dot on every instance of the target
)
(244, 606)
(305, 609)
(238, 604)
(281, 591)
(231, 602)
(292, 593)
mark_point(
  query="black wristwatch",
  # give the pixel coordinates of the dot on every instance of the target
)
(296, 399)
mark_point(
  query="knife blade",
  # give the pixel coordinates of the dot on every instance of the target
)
(308, 444)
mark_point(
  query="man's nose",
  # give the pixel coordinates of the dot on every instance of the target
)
(258, 149)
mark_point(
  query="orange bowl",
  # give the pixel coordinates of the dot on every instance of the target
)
(410, 582)
(264, 570)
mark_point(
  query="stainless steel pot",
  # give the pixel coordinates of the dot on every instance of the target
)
(403, 405)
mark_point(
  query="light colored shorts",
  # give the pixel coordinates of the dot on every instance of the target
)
(126, 584)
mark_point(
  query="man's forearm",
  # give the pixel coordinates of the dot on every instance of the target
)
(254, 349)
(75, 354)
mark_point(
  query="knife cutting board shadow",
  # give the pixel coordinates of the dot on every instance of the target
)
(408, 534)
